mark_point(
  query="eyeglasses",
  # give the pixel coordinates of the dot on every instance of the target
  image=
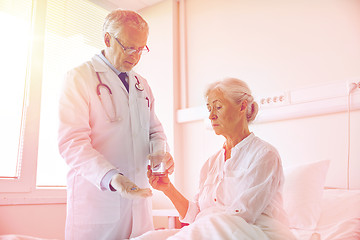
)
(130, 51)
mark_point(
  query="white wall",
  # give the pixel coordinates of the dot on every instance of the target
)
(273, 45)
(157, 68)
(43, 221)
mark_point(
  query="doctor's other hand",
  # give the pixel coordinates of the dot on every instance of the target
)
(161, 183)
(128, 189)
(169, 163)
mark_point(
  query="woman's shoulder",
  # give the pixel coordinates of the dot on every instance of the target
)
(211, 161)
(262, 147)
(213, 157)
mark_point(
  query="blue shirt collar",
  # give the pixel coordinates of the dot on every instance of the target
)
(101, 55)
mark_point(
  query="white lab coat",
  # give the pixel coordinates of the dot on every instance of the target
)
(92, 145)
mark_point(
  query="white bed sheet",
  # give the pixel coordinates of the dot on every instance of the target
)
(215, 226)
(224, 226)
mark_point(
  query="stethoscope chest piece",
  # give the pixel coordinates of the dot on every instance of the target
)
(138, 85)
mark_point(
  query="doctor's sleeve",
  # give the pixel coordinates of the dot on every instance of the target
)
(74, 140)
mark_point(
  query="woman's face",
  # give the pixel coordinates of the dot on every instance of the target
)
(225, 115)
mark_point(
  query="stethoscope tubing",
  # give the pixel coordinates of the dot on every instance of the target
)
(100, 85)
(138, 85)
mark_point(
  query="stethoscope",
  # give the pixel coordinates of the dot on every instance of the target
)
(138, 85)
(100, 85)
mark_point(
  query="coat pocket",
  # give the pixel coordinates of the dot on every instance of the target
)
(143, 104)
(90, 205)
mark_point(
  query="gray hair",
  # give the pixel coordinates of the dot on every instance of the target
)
(118, 18)
(236, 91)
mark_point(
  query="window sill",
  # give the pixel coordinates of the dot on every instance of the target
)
(42, 195)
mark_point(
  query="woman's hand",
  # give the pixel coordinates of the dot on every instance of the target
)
(161, 183)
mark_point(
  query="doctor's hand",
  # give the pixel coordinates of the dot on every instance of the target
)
(128, 189)
(161, 183)
(169, 163)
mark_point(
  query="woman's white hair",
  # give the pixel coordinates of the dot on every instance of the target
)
(118, 18)
(236, 91)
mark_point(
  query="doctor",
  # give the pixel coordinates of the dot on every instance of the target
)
(107, 119)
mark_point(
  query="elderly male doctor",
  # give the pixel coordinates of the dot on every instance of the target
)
(107, 120)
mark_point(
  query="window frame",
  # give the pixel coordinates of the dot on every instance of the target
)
(22, 189)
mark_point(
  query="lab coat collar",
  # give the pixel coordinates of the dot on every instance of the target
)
(99, 65)
(102, 56)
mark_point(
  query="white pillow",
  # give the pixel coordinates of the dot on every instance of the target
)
(302, 193)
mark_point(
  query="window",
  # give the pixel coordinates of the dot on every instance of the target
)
(14, 46)
(15, 49)
(72, 36)
(44, 38)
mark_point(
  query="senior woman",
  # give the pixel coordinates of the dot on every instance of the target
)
(239, 195)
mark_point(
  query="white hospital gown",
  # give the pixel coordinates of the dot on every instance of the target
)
(239, 198)
(248, 184)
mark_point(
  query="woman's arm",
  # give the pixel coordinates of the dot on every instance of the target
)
(180, 202)
(162, 183)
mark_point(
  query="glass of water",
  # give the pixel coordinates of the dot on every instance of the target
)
(157, 154)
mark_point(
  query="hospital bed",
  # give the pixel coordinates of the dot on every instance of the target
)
(315, 212)
(320, 205)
